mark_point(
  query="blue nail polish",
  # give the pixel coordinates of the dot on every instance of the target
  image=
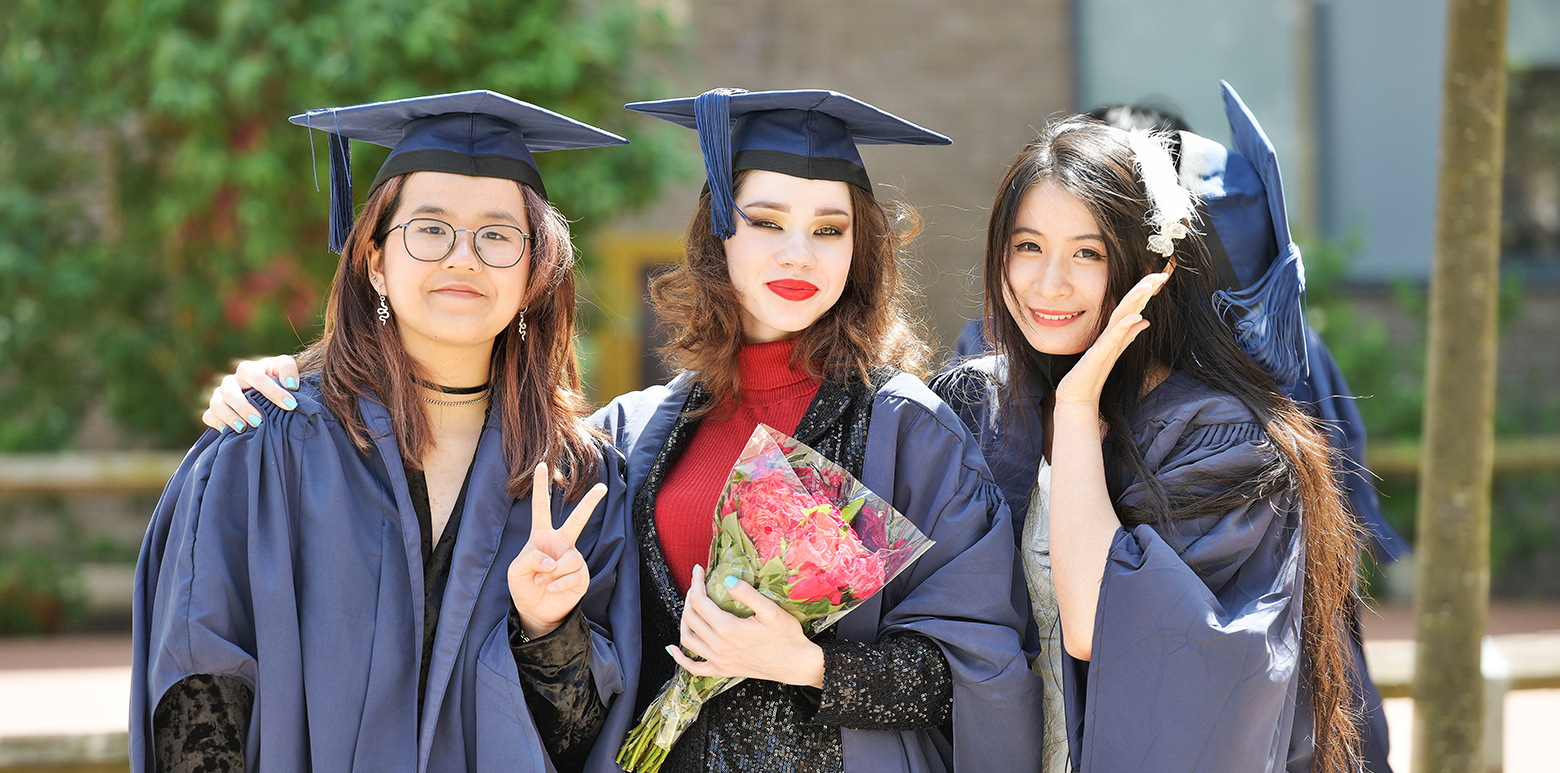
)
(254, 419)
(238, 426)
(292, 383)
(731, 581)
(289, 403)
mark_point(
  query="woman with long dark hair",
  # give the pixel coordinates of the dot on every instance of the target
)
(1189, 560)
(374, 579)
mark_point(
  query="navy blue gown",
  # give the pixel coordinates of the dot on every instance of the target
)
(287, 559)
(1196, 652)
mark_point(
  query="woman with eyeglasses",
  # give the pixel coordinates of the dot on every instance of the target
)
(381, 576)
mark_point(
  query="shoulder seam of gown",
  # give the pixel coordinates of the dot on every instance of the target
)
(929, 411)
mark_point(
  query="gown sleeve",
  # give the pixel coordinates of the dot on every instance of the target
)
(923, 459)
(195, 650)
(1196, 650)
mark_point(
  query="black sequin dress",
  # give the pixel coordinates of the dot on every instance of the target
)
(758, 726)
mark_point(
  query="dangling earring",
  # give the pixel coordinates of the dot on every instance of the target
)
(384, 310)
(520, 326)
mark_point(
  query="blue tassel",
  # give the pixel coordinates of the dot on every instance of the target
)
(1269, 318)
(712, 112)
(341, 214)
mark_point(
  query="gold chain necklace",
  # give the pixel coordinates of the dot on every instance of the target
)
(457, 404)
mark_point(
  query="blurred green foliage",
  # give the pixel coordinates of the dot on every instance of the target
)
(1387, 371)
(159, 217)
(1390, 373)
(38, 593)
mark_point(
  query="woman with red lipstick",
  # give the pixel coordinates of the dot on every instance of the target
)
(1189, 561)
(373, 578)
(790, 311)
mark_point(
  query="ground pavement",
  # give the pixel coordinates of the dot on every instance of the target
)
(66, 697)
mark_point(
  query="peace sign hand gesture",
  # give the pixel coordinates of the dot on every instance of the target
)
(549, 577)
(1086, 380)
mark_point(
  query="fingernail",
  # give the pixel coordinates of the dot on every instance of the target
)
(671, 649)
(289, 403)
(731, 581)
(292, 383)
(238, 426)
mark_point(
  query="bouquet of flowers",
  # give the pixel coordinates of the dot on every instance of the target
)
(804, 533)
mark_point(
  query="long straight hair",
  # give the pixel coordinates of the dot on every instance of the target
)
(1095, 163)
(869, 326)
(535, 381)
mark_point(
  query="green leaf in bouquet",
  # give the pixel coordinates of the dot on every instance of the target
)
(718, 593)
(854, 506)
(772, 582)
(813, 609)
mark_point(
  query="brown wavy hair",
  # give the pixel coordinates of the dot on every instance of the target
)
(868, 327)
(535, 381)
(1094, 162)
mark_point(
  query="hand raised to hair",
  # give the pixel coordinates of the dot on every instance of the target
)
(1086, 380)
(549, 577)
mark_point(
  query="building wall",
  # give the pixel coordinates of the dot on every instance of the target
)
(985, 72)
(1173, 55)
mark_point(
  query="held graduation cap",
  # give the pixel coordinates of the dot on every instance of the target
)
(475, 133)
(809, 133)
(1244, 194)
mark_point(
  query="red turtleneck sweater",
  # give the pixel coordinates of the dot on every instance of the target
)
(773, 393)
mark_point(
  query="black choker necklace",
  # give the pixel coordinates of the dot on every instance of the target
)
(449, 390)
(1053, 366)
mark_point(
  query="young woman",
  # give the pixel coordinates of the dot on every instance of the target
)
(1188, 556)
(789, 310)
(374, 579)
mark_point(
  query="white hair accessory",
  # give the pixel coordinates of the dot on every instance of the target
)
(1170, 206)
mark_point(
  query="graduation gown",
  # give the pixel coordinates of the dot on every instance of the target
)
(960, 594)
(284, 557)
(1196, 653)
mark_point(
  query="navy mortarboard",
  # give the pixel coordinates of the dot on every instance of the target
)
(810, 133)
(475, 133)
(1244, 194)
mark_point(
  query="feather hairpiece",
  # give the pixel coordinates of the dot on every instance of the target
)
(1171, 207)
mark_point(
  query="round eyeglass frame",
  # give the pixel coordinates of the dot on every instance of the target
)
(525, 241)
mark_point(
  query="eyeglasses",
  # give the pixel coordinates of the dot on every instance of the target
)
(431, 241)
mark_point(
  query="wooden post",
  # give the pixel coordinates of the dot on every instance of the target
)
(1454, 487)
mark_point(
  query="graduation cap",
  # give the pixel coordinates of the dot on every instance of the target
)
(1244, 194)
(807, 133)
(475, 133)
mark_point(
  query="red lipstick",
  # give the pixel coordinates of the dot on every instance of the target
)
(793, 289)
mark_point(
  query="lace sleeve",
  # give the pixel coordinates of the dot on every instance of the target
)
(201, 724)
(560, 688)
(899, 683)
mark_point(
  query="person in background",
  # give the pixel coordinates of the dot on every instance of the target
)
(378, 577)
